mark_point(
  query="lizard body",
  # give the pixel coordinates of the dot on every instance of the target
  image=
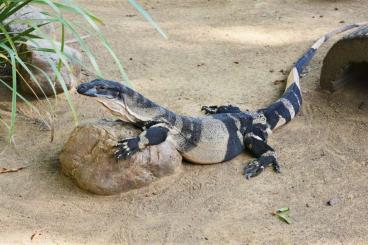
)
(220, 136)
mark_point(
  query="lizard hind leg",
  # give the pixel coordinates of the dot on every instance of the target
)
(214, 109)
(265, 156)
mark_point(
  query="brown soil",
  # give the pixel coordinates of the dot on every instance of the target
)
(218, 52)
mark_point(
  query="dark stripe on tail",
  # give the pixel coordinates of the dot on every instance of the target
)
(294, 96)
(278, 110)
(284, 109)
(304, 60)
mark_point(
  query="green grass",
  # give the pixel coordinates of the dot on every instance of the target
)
(54, 11)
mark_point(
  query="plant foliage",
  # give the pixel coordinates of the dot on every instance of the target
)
(11, 54)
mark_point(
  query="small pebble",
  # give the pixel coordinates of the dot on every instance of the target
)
(332, 202)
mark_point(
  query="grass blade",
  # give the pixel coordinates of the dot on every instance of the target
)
(14, 98)
(70, 8)
(66, 92)
(5, 124)
(284, 217)
(146, 15)
(60, 63)
(13, 8)
(107, 45)
(81, 42)
(20, 96)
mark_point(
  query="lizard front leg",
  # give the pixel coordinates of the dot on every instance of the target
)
(214, 109)
(265, 156)
(152, 136)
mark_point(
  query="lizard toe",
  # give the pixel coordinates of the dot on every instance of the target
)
(209, 109)
(126, 148)
(256, 166)
(253, 169)
(276, 167)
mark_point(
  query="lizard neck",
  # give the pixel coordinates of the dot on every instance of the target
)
(135, 108)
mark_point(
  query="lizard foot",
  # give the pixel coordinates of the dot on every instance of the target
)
(209, 109)
(213, 109)
(256, 166)
(126, 148)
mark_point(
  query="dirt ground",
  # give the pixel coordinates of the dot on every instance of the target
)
(218, 52)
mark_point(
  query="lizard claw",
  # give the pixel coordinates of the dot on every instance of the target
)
(276, 167)
(126, 148)
(214, 109)
(253, 169)
(256, 166)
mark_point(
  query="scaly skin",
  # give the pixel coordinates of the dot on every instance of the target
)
(220, 136)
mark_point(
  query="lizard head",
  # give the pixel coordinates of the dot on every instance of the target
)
(112, 95)
(119, 99)
(102, 88)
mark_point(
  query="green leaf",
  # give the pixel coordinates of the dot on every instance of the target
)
(34, 79)
(21, 97)
(26, 33)
(146, 15)
(8, 38)
(13, 7)
(66, 93)
(60, 79)
(52, 85)
(107, 45)
(11, 54)
(60, 62)
(85, 15)
(69, 26)
(281, 213)
(282, 210)
(14, 98)
(71, 8)
(5, 124)
(284, 217)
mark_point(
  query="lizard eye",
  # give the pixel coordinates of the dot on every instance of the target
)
(100, 87)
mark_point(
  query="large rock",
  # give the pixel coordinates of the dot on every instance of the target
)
(88, 159)
(30, 12)
(46, 61)
(42, 60)
(346, 61)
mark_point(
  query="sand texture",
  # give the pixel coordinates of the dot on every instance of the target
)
(218, 52)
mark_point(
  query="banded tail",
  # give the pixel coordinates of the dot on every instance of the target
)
(284, 109)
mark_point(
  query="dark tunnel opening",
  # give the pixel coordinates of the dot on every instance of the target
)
(357, 73)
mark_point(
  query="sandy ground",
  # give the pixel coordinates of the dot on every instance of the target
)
(218, 52)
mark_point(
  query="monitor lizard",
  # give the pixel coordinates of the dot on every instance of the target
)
(221, 135)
